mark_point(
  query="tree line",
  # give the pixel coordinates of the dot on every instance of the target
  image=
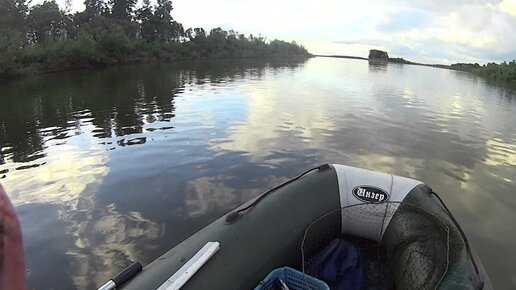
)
(46, 37)
(503, 72)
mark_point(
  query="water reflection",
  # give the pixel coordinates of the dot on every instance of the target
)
(65, 136)
(116, 165)
(266, 130)
(208, 193)
(377, 66)
(105, 241)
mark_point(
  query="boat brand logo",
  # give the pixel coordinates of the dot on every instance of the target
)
(370, 194)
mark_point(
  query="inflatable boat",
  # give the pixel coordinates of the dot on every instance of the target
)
(415, 240)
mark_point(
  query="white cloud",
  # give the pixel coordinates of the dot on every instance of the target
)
(472, 32)
(433, 31)
(508, 6)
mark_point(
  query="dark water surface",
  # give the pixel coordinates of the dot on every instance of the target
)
(110, 166)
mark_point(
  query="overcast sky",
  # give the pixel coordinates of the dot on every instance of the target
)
(438, 31)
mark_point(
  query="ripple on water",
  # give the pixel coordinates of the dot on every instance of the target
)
(500, 152)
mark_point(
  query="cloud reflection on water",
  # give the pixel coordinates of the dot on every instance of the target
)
(132, 160)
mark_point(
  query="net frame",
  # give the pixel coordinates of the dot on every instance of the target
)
(397, 205)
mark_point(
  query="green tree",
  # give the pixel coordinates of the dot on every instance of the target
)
(144, 16)
(199, 33)
(46, 22)
(95, 8)
(122, 9)
(13, 24)
(189, 34)
(167, 30)
(108, 32)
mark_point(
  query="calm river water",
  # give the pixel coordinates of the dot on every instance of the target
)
(121, 164)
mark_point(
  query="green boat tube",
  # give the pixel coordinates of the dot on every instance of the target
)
(424, 245)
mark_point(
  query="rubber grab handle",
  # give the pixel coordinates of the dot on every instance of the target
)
(127, 273)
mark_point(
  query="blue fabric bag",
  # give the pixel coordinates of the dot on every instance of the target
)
(340, 265)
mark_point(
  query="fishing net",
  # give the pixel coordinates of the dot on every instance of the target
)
(400, 245)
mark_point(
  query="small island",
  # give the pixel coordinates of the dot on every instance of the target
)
(375, 54)
(380, 55)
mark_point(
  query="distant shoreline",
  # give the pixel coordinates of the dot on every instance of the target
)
(397, 60)
(33, 69)
(502, 74)
(389, 60)
(341, 56)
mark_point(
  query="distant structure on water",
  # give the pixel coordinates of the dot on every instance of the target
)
(378, 54)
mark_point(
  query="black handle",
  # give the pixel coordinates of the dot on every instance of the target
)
(127, 273)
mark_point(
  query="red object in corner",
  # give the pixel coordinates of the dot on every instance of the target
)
(12, 269)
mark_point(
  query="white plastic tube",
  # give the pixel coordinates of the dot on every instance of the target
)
(179, 278)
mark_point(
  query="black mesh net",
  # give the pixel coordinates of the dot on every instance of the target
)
(398, 245)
